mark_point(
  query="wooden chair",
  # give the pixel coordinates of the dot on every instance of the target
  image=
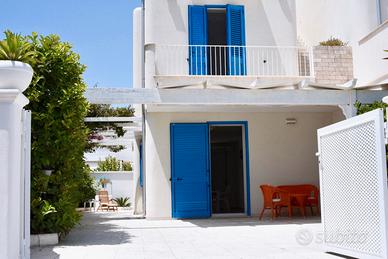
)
(274, 199)
(310, 190)
(105, 202)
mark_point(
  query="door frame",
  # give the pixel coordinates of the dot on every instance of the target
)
(246, 168)
(247, 190)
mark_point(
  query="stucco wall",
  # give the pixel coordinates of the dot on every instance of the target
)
(279, 153)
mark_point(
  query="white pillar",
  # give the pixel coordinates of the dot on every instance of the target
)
(18, 76)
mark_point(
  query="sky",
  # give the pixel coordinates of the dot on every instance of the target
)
(99, 30)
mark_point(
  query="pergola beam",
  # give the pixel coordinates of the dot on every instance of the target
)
(113, 119)
(232, 96)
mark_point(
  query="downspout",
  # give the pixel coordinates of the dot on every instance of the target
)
(143, 110)
(378, 9)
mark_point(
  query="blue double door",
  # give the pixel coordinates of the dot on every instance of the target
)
(201, 54)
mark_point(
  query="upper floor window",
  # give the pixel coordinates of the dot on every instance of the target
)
(217, 40)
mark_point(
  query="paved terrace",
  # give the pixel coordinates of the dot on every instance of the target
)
(116, 235)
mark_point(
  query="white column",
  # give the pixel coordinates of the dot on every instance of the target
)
(14, 79)
(11, 106)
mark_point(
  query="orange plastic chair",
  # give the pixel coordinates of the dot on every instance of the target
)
(275, 199)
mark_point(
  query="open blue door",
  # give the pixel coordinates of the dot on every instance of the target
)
(235, 37)
(197, 40)
(190, 179)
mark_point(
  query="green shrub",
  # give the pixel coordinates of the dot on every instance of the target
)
(41, 210)
(127, 166)
(113, 164)
(333, 42)
(122, 202)
(58, 133)
(363, 108)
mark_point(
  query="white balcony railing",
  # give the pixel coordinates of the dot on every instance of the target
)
(206, 60)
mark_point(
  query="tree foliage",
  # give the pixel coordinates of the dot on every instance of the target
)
(367, 107)
(58, 133)
(106, 110)
(113, 164)
(363, 108)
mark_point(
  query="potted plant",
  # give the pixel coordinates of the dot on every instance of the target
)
(104, 182)
(15, 53)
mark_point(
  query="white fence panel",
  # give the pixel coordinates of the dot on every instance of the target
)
(353, 178)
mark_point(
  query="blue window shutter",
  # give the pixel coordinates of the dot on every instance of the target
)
(235, 27)
(197, 40)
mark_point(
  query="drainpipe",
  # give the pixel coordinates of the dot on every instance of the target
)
(378, 9)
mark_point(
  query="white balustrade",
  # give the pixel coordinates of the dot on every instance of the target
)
(217, 60)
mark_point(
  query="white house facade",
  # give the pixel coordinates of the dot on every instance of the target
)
(241, 89)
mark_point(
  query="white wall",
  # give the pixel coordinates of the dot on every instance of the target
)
(267, 22)
(100, 154)
(372, 68)
(279, 153)
(121, 183)
(349, 21)
(384, 10)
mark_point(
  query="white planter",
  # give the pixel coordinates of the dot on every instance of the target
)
(44, 239)
(15, 75)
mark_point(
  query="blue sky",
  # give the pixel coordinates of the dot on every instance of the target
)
(99, 30)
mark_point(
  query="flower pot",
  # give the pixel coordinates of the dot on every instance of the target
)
(48, 172)
(15, 75)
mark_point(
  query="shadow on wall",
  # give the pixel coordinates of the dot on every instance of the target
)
(176, 15)
(288, 10)
(264, 30)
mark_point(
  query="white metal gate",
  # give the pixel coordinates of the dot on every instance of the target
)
(353, 179)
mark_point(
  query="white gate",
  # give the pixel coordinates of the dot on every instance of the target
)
(26, 182)
(353, 179)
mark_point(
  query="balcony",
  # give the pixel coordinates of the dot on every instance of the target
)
(271, 63)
